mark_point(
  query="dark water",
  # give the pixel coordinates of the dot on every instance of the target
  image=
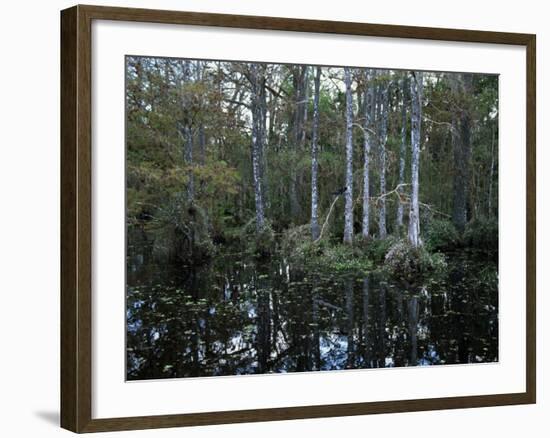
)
(242, 317)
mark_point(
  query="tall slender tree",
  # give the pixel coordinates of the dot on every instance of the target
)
(402, 150)
(348, 212)
(304, 103)
(367, 104)
(300, 77)
(257, 139)
(185, 128)
(383, 138)
(262, 97)
(414, 213)
(314, 159)
(199, 75)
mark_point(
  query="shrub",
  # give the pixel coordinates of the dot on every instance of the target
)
(441, 235)
(258, 243)
(377, 249)
(297, 240)
(344, 258)
(264, 241)
(413, 265)
(324, 254)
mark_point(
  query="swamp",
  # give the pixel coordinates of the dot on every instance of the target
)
(290, 218)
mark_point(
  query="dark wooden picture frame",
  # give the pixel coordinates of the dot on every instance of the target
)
(76, 218)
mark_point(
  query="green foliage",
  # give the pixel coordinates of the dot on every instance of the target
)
(296, 242)
(324, 255)
(441, 235)
(264, 241)
(413, 266)
(257, 243)
(482, 235)
(193, 120)
(345, 258)
(377, 249)
(181, 234)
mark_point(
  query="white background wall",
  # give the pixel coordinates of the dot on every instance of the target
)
(29, 214)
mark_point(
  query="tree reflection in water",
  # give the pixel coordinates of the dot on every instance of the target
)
(245, 317)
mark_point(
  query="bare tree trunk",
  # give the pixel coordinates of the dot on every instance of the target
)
(201, 134)
(305, 99)
(264, 137)
(403, 150)
(348, 212)
(367, 104)
(187, 132)
(257, 138)
(314, 160)
(382, 231)
(414, 214)
(188, 158)
(374, 102)
(300, 74)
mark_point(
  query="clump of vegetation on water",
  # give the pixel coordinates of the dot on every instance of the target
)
(345, 258)
(376, 249)
(259, 243)
(298, 246)
(296, 242)
(413, 265)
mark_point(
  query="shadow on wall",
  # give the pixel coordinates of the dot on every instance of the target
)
(51, 417)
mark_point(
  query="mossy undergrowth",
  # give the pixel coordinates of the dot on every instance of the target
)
(413, 265)
(260, 244)
(442, 235)
(297, 244)
(392, 256)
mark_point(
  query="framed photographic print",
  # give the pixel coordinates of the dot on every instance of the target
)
(343, 224)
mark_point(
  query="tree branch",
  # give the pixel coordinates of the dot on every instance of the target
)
(326, 219)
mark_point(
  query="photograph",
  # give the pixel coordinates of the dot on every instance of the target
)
(290, 218)
(251, 219)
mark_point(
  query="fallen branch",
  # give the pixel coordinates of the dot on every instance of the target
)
(327, 218)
